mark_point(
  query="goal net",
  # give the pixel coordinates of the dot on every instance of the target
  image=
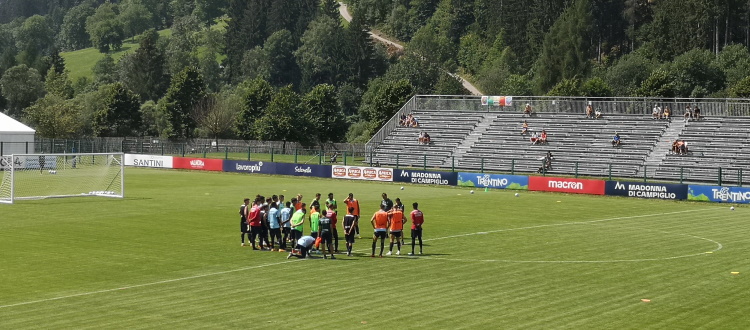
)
(37, 176)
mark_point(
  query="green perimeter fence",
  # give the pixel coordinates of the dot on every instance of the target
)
(349, 154)
(356, 154)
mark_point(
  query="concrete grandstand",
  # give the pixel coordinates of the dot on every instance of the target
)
(466, 135)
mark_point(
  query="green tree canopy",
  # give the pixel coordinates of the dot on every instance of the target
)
(105, 29)
(187, 90)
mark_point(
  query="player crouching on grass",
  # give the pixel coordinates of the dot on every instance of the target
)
(380, 224)
(303, 247)
(350, 227)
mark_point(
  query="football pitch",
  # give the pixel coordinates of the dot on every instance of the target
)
(168, 256)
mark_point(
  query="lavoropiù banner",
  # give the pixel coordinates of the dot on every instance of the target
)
(496, 181)
(242, 166)
(362, 173)
(646, 190)
(425, 177)
(321, 171)
(148, 161)
(201, 164)
(719, 194)
(567, 185)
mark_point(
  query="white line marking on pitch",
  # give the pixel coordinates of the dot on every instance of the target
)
(432, 239)
(148, 284)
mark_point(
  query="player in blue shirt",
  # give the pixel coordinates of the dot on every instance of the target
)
(274, 225)
(286, 226)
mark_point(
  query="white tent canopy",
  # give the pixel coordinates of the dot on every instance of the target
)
(15, 137)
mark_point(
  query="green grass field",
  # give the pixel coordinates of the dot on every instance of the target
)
(168, 256)
(81, 62)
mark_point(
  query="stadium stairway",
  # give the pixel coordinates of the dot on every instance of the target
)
(473, 137)
(663, 147)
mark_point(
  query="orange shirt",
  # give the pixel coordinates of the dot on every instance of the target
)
(397, 220)
(352, 203)
(381, 220)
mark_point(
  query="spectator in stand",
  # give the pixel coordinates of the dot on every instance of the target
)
(616, 140)
(427, 138)
(688, 113)
(697, 113)
(402, 121)
(525, 128)
(675, 147)
(534, 139)
(543, 137)
(414, 121)
(667, 112)
(598, 113)
(656, 112)
(527, 110)
(421, 137)
(683, 147)
(547, 164)
(589, 111)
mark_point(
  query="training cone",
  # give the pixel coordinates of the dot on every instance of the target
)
(486, 189)
(734, 273)
(646, 300)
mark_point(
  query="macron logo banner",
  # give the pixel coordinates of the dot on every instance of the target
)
(148, 161)
(566, 185)
(201, 164)
(362, 173)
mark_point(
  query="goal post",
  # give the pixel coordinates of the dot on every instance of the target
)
(38, 176)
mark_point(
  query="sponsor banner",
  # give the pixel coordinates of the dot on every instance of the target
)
(362, 173)
(423, 177)
(29, 162)
(497, 181)
(240, 166)
(719, 194)
(202, 164)
(321, 171)
(148, 161)
(567, 185)
(646, 190)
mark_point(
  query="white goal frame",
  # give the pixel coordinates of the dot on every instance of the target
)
(11, 166)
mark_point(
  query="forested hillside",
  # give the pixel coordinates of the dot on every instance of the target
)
(688, 48)
(292, 70)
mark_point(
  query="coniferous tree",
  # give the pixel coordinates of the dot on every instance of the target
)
(144, 71)
(187, 90)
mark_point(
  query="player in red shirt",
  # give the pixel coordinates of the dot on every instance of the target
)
(352, 206)
(417, 219)
(331, 214)
(255, 222)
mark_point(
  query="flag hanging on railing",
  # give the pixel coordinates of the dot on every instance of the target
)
(498, 101)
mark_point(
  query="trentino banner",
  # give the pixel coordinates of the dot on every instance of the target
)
(719, 194)
(496, 181)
